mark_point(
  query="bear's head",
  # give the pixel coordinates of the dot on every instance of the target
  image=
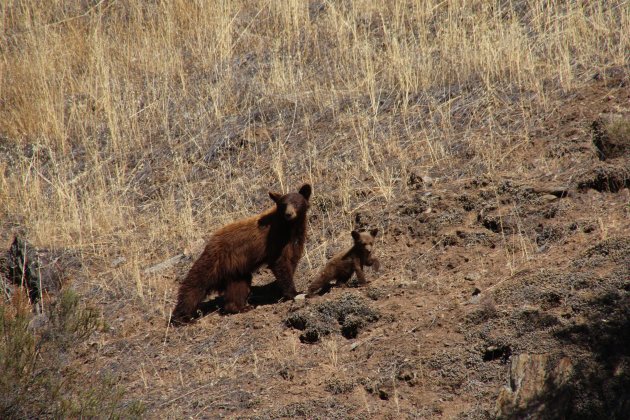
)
(292, 205)
(364, 240)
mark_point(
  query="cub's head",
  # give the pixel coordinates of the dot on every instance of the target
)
(364, 240)
(292, 205)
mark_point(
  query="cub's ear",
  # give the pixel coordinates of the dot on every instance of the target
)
(356, 235)
(373, 232)
(305, 191)
(275, 196)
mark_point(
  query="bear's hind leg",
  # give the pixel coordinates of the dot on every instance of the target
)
(319, 286)
(188, 300)
(236, 294)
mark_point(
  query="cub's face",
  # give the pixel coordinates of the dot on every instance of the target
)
(292, 205)
(364, 240)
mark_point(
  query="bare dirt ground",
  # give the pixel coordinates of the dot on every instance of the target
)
(447, 311)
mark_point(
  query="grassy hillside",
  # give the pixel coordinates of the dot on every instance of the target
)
(129, 131)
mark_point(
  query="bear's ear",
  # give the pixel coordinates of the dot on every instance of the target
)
(275, 196)
(305, 191)
(355, 235)
(373, 232)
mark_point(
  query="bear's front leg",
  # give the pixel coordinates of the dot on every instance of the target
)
(283, 271)
(358, 268)
(236, 294)
(374, 263)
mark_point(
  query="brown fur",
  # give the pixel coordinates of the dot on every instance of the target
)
(275, 237)
(343, 265)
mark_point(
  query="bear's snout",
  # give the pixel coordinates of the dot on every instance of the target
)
(290, 213)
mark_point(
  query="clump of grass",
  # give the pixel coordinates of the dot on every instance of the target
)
(338, 386)
(617, 143)
(36, 377)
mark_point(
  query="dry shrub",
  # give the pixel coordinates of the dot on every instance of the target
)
(37, 377)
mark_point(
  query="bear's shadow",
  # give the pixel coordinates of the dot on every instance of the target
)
(266, 294)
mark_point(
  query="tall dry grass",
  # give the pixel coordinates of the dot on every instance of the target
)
(134, 128)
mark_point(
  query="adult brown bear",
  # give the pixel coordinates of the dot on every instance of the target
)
(275, 237)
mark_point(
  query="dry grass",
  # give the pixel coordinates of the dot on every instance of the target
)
(135, 128)
(150, 124)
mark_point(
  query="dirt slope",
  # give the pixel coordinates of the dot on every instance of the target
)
(489, 142)
(453, 313)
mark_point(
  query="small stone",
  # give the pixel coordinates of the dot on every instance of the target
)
(301, 296)
(497, 352)
(549, 198)
(117, 262)
(472, 276)
(475, 299)
(38, 322)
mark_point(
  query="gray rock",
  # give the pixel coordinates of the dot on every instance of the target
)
(530, 377)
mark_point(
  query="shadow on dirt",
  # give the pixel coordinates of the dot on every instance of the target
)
(267, 294)
(599, 379)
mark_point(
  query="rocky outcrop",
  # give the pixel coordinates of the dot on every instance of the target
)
(535, 389)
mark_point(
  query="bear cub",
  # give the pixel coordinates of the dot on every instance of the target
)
(343, 265)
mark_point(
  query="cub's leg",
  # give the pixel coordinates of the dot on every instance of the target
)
(321, 284)
(358, 268)
(374, 263)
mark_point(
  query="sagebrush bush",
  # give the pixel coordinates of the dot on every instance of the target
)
(36, 378)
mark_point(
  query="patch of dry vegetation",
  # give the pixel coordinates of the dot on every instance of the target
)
(39, 378)
(148, 124)
(133, 129)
